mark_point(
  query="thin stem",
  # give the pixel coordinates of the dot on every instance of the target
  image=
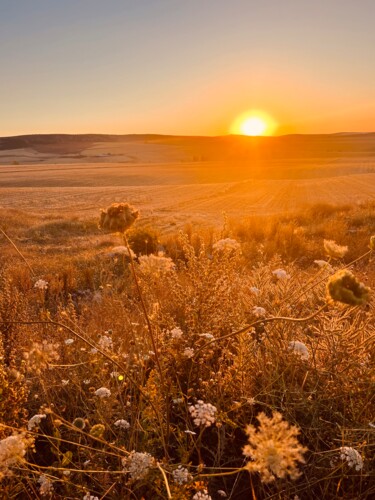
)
(16, 249)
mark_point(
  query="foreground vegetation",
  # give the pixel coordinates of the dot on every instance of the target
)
(229, 366)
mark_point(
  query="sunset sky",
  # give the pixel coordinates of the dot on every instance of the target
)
(185, 67)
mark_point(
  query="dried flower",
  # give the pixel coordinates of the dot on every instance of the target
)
(155, 265)
(273, 448)
(97, 430)
(188, 352)
(41, 285)
(202, 495)
(333, 250)
(226, 245)
(103, 392)
(352, 457)
(259, 311)
(105, 342)
(344, 287)
(79, 423)
(176, 333)
(299, 348)
(118, 217)
(122, 424)
(181, 475)
(203, 413)
(89, 497)
(122, 250)
(372, 242)
(254, 290)
(40, 356)
(323, 264)
(46, 486)
(138, 464)
(35, 421)
(69, 341)
(12, 451)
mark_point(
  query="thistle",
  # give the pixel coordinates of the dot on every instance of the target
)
(344, 287)
(119, 217)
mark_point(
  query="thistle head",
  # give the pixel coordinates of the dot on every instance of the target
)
(119, 217)
(344, 287)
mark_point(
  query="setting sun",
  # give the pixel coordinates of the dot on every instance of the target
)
(254, 123)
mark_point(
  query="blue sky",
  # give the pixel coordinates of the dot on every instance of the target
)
(185, 67)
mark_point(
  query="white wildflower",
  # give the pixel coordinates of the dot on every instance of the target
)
(352, 457)
(93, 350)
(89, 497)
(103, 392)
(188, 352)
(138, 464)
(86, 381)
(69, 341)
(46, 486)
(254, 290)
(323, 264)
(226, 245)
(281, 274)
(121, 250)
(41, 285)
(299, 348)
(177, 401)
(202, 495)
(156, 264)
(260, 312)
(105, 342)
(35, 421)
(176, 333)
(181, 475)
(333, 250)
(203, 413)
(12, 451)
(122, 424)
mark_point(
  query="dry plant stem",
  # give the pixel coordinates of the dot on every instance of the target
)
(16, 249)
(165, 480)
(149, 326)
(258, 322)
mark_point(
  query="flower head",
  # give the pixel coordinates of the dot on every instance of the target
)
(35, 421)
(281, 274)
(181, 475)
(138, 464)
(273, 448)
(344, 287)
(103, 392)
(299, 348)
(12, 451)
(41, 285)
(122, 424)
(156, 265)
(118, 217)
(352, 457)
(227, 245)
(333, 250)
(203, 413)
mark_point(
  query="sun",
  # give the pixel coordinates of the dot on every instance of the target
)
(254, 123)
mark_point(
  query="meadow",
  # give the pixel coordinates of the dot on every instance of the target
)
(217, 344)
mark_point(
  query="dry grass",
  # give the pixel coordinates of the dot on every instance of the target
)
(219, 326)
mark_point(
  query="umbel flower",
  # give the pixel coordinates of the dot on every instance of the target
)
(118, 217)
(344, 287)
(273, 448)
(333, 250)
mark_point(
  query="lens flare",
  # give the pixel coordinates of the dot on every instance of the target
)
(254, 123)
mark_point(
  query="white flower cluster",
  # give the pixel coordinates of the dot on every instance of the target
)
(203, 413)
(188, 352)
(89, 497)
(155, 264)
(122, 424)
(260, 312)
(299, 348)
(281, 274)
(226, 245)
(176, 333)
(35, 421)
(105, 343)
(41, 285)
(46, 486)
(138, 464)
(181, 475)
(121, 250)
(202, 495)
(12, 450)
(103, 392)
(352, 457)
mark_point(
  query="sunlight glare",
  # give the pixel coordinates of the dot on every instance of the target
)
(254, 123)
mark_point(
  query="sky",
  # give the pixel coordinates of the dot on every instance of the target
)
(185, 67)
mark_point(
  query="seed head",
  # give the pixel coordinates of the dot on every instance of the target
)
(344, 287)
(119, 217)
(333, 250)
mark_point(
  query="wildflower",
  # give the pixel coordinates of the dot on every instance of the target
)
(122, 424)
(333, 250)
(259, 311)
(188, 352)
(181, 475)
(93, 350)
(79, 423)
(323, 264)
(41, 285)
(86, 381)
(176, 333)
(222, 493)
(299, 348)
(69, 341)
(138, 464)
(372, 242)
(254, 290)
(155, 265)
(35, 421)
(203, 413)
(97, 430)
(281, 274)
(118, 217)
(344, 287)
(46, 486)
(273, 448)
(103, 392)
(177, 401)
(105, 342)
(202, 495)
(12, 451)
(64, 382)
(352, 457)
(226, 245)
